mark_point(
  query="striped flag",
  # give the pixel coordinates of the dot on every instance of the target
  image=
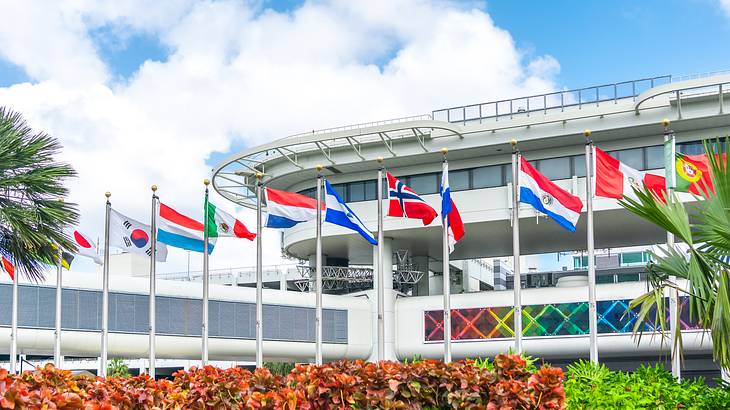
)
(7, 267)
(547, 197)
(449, 212)
(180, 231)
(221, 223)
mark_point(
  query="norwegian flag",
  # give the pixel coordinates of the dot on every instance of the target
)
(405, 203)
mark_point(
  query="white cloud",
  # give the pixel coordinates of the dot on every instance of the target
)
(725, 5)
(240, 73)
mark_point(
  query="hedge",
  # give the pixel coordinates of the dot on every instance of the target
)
(429, 384)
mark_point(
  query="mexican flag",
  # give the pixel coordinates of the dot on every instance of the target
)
(220, 223)
(692, 174)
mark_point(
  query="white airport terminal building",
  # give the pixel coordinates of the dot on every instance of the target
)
(625, 120)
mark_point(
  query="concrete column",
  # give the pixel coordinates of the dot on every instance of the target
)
(389, 302)
(282, 279)
(421, 263)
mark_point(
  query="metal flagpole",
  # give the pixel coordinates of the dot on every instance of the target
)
(206, 280)
(318, 273)
(517, 314)
(259, 277)
(14, 326)
(59, 291)
(381, 282)
(446, 270)
(153, 251)
(592, 314)
(105, 291)
(673, 293)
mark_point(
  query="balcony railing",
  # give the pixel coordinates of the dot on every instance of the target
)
(556, 101)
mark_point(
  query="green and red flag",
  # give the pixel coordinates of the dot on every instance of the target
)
(220, 223)
(692, 174)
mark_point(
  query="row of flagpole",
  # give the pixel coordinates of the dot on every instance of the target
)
(517, 315)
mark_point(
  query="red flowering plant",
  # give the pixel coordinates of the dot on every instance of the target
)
(427, 384)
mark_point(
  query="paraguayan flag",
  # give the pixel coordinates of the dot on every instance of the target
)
(338, 213)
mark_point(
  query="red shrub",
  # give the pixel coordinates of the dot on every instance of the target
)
(429, 384)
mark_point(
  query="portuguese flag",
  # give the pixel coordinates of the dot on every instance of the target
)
(220, 223)
(692, 174)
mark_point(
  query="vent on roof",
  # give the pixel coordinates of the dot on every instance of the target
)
(334, 170)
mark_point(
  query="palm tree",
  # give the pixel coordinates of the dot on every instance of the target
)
(32, 218)
(704, 228)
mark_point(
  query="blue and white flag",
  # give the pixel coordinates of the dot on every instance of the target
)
(338, 213)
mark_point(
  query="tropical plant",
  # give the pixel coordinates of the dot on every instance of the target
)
(117, 368)
(704, 228)
(279, 368)
(594, 386)
(32, 219)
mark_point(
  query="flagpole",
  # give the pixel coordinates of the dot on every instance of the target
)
(318, 273)
(673, 293)
(59, 291)
(259, 277)
(153, 251)
(592, 312)
(381, 281)
(14, 326)
(105, 291)
(206, 280)
(517, 314)
(446, 271)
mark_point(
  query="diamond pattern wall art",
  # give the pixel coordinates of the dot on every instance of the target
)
(553, 319)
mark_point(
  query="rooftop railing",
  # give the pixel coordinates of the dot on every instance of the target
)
(549, 102)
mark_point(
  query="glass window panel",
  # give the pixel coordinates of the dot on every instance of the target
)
(655, 157)
(507, 172)
(486, 177)
(691, 148)
(371, 189)
(357, 191)
(459, 180)
(341, 190)
(555, 168)
(579, 165)
(424, 184)
(632, 157)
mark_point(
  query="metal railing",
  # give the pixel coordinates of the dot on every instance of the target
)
(225, 273)
(549, 102)
(361, 125)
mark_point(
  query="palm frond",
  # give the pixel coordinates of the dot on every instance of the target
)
(31, 183)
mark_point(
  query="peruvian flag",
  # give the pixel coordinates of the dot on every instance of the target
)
(7, 267)
(403, 202)
(85, 246)
(614, 179)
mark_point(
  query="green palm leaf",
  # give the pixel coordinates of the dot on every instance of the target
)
(704, 227)
(31, 183)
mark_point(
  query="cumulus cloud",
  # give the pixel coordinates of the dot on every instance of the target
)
(725, 5)
(241, 74)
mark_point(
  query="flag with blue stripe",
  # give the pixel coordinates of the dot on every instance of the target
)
(338, 213)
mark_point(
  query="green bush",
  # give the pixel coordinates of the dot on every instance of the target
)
(117, 368)
(589, 386)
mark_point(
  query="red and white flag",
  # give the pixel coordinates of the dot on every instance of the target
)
(405, 203)
(7, 267)
(614, 179)
(85, 246)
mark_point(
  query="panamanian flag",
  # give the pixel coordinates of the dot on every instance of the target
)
(545, 196)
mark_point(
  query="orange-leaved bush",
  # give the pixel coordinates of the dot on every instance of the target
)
(428, 384)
